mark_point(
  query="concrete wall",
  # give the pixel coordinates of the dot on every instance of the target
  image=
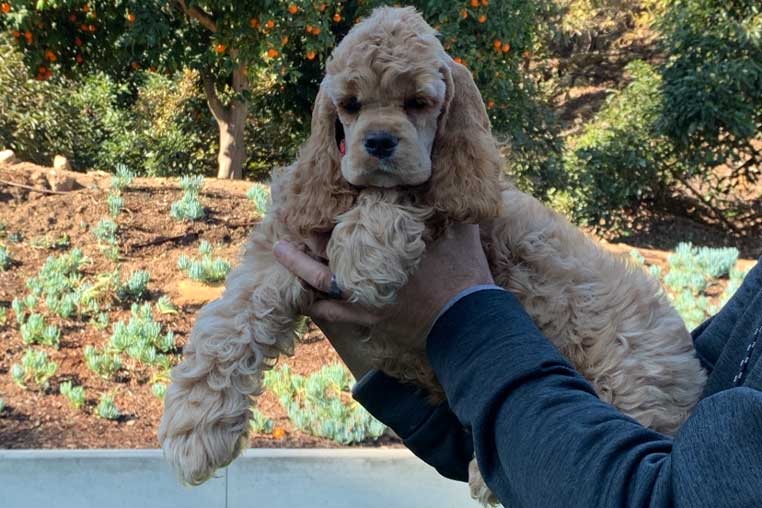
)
(353, 478)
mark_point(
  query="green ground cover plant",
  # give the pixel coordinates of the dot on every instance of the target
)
(106, 408)
(35, 370)
(189, 207)
(206, 269)
(74, 394)
(141, 338)
(320, 404)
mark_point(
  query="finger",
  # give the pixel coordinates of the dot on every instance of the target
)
(312, 272)
(333, 311)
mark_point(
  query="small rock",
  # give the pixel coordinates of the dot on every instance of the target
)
(61, 182)
(61, 162)
(190, 292)
(7, 157)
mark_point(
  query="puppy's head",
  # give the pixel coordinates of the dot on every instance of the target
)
(395, 110)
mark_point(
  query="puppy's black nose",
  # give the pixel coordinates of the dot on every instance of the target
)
(381, 144)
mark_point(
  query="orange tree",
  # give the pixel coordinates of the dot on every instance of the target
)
(266, 56)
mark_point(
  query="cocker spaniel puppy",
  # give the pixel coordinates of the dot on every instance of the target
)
(401, 147)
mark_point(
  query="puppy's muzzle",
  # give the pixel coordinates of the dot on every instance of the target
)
(381, 144)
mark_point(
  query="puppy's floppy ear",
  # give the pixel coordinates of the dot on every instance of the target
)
(315, 192)
(465, 160)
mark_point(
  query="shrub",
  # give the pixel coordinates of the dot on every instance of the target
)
(104, 364)
(141, 338)
(712, 87)
(619, 159)
(74, 394)
(206, 269)
(189, 207)
(321, 405)
(34, 368)
(2, 405)
(259, 195)
(107, 408)
(35, 331)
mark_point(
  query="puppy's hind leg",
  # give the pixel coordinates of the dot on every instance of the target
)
(234, 340)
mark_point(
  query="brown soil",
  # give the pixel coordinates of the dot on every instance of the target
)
(150, 239)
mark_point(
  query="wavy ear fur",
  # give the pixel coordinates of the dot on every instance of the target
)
(314, 192)
(466, 162)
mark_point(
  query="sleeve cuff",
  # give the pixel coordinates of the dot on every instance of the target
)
(401, 406)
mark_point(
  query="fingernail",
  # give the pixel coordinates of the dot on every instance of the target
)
(280, 248)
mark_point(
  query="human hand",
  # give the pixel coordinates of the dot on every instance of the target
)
(451, 264)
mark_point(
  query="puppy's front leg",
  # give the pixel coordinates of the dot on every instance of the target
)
(376, 246)
(234, 340)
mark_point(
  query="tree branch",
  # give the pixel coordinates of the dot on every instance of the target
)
(220, 112)
(206, 20)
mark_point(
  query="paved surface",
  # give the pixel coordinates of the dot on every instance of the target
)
(356, 478)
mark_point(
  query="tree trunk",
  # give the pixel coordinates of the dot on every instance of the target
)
(232, 153)
(231, 121)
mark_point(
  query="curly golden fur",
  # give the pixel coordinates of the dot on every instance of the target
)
(390, 77)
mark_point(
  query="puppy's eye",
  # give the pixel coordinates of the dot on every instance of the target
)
(416, 104)
(351, 105)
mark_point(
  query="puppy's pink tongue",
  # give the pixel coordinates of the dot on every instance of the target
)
(343, 147)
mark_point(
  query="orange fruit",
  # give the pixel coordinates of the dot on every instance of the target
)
(49, 55)
(311, 55)
(482, 18)
(293, 9)
(130, 17)
(91, 28)
(83, 27)
(308, 29)
(490, 104)
(5, 7)
(273, 53)
(498, 43)
(220, 48)
(458, 60)
(485, 2)
(135, 65)
(279, 433)
(16, 34)
(323, 7)
(270, 24)
(474, 3)
(464, 14)
(28, 37)
(254, 23)
(85, 8)
(506, 47)
(284, 40)
(337, 18)
(316, 31)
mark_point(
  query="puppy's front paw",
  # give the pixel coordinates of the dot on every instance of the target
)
(202, 430)
(375, 247)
